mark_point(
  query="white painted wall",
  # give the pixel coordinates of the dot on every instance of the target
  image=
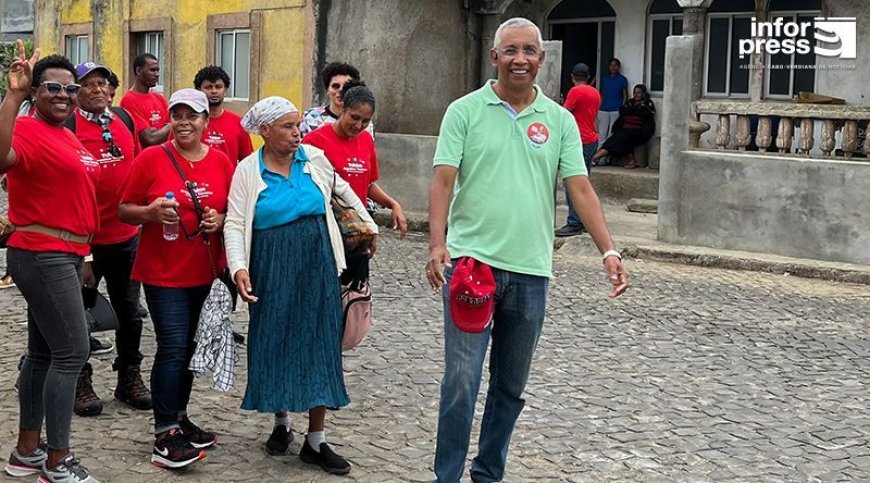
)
(630, 42)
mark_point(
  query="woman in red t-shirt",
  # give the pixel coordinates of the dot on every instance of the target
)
(177, 271)
(53, 204)
(351, 150)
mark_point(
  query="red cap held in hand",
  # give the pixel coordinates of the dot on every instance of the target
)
(472, 295)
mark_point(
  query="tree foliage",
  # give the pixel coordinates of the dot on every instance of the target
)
(8, 51)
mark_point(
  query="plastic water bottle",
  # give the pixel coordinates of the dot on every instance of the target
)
(170, 230)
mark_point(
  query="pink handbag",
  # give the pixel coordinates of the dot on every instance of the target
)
(356, 302)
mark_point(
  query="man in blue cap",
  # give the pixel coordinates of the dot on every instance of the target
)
(108, 133)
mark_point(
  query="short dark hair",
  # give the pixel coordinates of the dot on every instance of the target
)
(333, 69)
(54, 61)
(113, 80)
(143, 59)
(355, 93)
(614, 59)
(211, 73)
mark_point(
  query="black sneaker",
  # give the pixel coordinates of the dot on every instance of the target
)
(326, 458)
(174, 451)
(195, 435)
(99, 347)
(279, 441)
(569, 230)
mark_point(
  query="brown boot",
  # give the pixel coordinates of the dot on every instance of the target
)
(87, 403)
(131, 390)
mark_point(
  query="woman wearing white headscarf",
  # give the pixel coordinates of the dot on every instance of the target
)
(285, 252)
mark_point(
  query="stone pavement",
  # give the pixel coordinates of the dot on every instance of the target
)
(696, 374)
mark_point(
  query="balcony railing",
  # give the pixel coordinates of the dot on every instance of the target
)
(786, 118)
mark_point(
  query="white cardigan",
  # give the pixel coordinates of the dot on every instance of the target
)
(246, 188)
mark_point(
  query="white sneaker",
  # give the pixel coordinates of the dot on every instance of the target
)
(69, 470)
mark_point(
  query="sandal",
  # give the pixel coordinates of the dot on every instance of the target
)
(631, 165)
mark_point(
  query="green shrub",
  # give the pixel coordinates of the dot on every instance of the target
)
(8, 51)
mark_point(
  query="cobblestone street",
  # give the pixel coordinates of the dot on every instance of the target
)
(694, 375)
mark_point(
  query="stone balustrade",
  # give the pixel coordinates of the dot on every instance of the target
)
(734, 127)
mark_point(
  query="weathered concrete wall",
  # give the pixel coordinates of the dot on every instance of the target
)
(414, 54)
(550, 73)
(847, 79)
(405, 164)
(16, 19)
(794, 207)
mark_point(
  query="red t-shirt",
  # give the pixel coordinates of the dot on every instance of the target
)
(148, 110)
(225, 133)
(182, 262)
(354, 159)
(111, 176)
(51, 184)
(583, 102)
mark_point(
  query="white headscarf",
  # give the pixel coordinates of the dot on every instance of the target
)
(266, 111)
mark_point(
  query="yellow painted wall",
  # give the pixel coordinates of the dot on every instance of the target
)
(281, 60)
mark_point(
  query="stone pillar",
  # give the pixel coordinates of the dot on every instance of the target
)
(695, 24)
(489, 24)
(756, 62)
(677, 116)
(684, 64)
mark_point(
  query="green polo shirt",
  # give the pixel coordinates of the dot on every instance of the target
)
(503, 204)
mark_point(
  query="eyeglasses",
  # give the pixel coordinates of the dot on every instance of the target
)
(113, 148)
(54, 88)
(529, 52)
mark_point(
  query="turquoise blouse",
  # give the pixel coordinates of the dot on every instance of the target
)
(287, 199)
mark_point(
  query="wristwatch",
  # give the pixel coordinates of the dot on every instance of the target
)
(611, 253)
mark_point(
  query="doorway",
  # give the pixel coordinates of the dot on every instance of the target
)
(587, 31)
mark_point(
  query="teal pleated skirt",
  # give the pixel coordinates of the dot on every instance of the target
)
(294, 336)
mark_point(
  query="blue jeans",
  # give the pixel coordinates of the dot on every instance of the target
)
(175, 313)
(588, 152)
(520, 303)
(57, 339)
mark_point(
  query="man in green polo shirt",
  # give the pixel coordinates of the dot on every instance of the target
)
(502, 148)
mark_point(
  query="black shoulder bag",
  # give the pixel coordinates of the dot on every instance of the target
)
(224, 276)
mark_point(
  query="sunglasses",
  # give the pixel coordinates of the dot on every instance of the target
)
(191, 189)
(54, 88)
(336, 86)
(113, 148)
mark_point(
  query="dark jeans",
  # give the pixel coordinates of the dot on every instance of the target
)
(573, 217)
(57, 339)
(115, 264)
(175, 313)
(520, 303)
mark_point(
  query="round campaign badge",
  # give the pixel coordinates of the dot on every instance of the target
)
(538, 134)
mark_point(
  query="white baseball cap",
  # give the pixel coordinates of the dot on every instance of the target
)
(191, 98)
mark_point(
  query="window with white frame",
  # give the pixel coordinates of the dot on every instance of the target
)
(727, 74)
(233, 54)
(665, 19)
(787, 74)
(152, 43)
(77, 48)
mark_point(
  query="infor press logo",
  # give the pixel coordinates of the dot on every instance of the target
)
(833, 36)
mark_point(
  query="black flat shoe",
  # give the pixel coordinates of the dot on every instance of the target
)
(279, 441)
(326, 458)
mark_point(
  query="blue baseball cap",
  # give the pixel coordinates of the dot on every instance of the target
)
(86, 68)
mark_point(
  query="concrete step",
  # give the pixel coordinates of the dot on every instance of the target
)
(618, 185)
